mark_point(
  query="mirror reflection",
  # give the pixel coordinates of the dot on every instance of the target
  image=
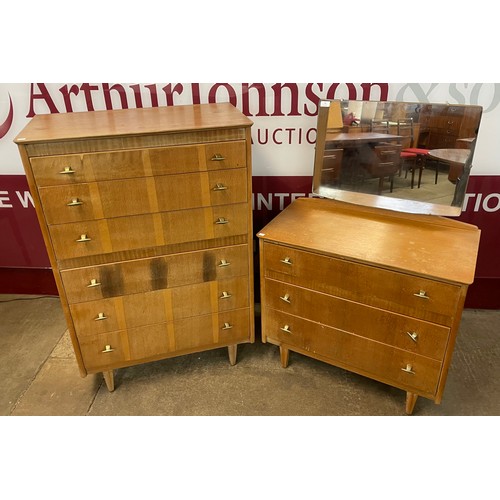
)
(407, 156)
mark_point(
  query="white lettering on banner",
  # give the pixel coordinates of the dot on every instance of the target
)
(490, 203)
(24, 198)
(284, 136)
(4, 198)
(275, 201)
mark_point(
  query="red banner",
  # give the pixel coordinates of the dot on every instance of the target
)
(22, 244)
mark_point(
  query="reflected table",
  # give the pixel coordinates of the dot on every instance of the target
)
(354, 139)
(455, 158)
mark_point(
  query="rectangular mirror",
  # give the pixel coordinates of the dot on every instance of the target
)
(405, 156)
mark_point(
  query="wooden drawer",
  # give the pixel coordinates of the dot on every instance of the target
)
(83, 239)
(410, 334)
(367, 357)
(398, 292)
(104, 351)
(90, 167)
(159, 306)
(145, 275)
(88, 201)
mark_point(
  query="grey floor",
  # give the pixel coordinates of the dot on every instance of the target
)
(40, 377)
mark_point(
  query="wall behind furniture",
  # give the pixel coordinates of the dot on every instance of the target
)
(283, 135)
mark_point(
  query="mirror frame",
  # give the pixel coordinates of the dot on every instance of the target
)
(381, 200)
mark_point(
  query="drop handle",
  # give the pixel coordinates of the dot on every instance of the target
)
(217, 157)
(408, 369)
(227, 326)
(83, 239)
(224, 263)
(286, 260)
(108, 348)
(412, 335)
(225, 295)
(93, 283)
(100, 317)
(74, 202)
(286, 298)
(222, 220)
(286, 329)
(422, 294)
(219, 187)
(67, 170)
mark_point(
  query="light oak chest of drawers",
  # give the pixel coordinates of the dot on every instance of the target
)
(147, 220)
(376, 292)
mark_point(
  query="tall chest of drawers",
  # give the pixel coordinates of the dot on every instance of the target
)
(376, 292)
(147, 220)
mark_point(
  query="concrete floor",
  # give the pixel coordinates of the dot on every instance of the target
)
(40, 377)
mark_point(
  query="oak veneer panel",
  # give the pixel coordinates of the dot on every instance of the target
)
(383, 362)
(132, 122)
(369, 322)
(49, 170)
(371, 285)
(158, 306)
(162, 340)
(145, 231)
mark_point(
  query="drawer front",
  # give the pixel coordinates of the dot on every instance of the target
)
(83, 239)
(220, 187)
(410, 334)
(145, 275)
(385, 363)
(73, 169)
(398, 292)
(160, 306)
(104, 351)
(119, 198)
(211, 156)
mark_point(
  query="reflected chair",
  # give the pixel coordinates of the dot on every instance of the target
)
(419, 161)
(386, 162)
(409, 159)
(379, 126)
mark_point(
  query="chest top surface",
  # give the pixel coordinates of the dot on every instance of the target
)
(131, 122)
(424, 245)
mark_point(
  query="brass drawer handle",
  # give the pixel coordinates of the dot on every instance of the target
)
(67, 170)
(412, 335)
(227, 326)
(219, 187)
(83, 238)
(408, 369)
(74, 202)
(93, 283)
(286, 329)
(222, 220)
(286, 298)
(108, 348)
(225, 295)
(422, 294)
(224, 263)
(100, 317)
(217, 157)
(286, 260)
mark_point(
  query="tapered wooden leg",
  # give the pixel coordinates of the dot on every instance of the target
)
(109, 378)
(232, 350)
(284, 355)
(411, 399)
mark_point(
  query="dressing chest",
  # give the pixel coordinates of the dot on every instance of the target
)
(147, 220)
(373, 291)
